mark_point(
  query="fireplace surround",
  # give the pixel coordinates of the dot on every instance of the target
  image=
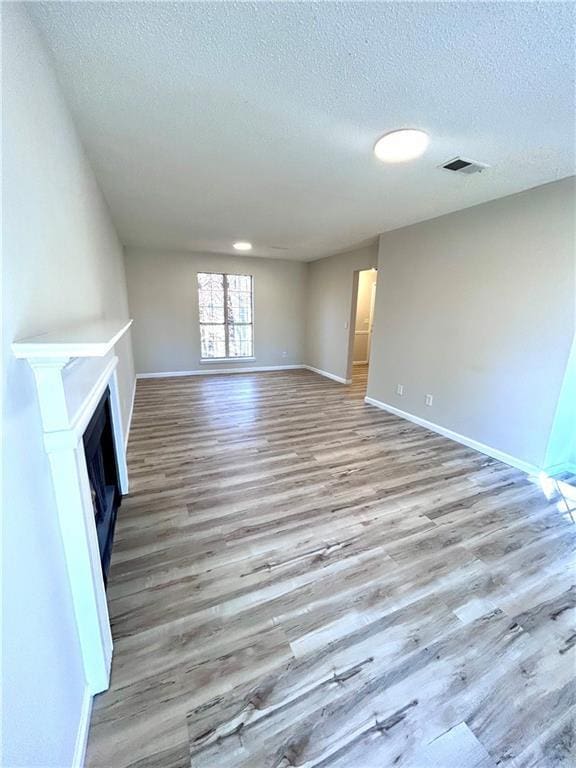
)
(75, 373)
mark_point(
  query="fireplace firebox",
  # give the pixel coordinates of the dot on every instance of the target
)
(103, 476)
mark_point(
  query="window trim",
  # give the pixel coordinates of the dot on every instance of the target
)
(210, 360)
(226, 358)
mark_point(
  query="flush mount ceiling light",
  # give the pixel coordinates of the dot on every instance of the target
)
(242, 245)
(402, 145)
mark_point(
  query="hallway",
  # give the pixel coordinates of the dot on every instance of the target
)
(359, 381)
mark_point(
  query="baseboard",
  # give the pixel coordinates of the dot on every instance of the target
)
(494, 453)
(328, 375)
(82, 732)
(213, 372)
(130, 416)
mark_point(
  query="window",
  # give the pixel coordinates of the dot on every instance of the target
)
(226, 323)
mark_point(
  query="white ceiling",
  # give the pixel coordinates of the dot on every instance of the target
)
(212, 122)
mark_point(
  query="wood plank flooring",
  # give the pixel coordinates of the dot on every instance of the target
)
(300, 579)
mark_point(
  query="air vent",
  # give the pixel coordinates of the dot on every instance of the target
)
(461, 165)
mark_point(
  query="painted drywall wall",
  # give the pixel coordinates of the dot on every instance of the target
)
(330, 309)
(477, 309)
(62, 263)
(366, 280)
(163, 299)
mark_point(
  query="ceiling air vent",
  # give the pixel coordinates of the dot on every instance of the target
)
(461, 165)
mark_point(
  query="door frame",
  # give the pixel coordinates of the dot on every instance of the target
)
(371, 321)
(352, 320)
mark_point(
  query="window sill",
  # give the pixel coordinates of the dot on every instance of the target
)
(212, 360)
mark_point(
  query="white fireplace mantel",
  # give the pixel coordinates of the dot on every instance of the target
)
(94, 339)
(72, 368)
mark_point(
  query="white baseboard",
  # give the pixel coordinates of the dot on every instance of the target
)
(130, 415)
(328, 375)
(212, 372)
(82, 732)
(494, 453)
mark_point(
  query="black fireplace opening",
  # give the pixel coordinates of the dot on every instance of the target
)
(103, 476)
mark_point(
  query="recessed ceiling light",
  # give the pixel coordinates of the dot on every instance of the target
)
(402, 145)
(242, 245)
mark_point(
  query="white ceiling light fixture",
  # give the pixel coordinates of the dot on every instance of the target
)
(402, 145)
(243, 245)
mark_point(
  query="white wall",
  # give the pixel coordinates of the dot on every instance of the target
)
(62, 263)
(163, 298)
(330, 309)
(477, 308)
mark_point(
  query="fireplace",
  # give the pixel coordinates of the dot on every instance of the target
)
(103, 477)
(84, 432)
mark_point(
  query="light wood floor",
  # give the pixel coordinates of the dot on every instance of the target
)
(300, 579)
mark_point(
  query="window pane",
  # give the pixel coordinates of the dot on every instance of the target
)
(211, 305)
(209, 281)
(211, 297)
(240, 341)
(213, 341)
(239, 308)
(239, 283)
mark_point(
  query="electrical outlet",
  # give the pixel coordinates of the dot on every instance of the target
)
(284, 354)
(400, 389)
(429, 399)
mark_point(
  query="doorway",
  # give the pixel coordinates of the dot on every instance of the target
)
(363, 326)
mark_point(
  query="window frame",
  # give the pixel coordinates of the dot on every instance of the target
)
(226, 323)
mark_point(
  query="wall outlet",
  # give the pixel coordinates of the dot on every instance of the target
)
(400, 389)
(429, 399)
(284, 354)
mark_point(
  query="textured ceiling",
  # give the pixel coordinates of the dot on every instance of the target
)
(212, 122)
